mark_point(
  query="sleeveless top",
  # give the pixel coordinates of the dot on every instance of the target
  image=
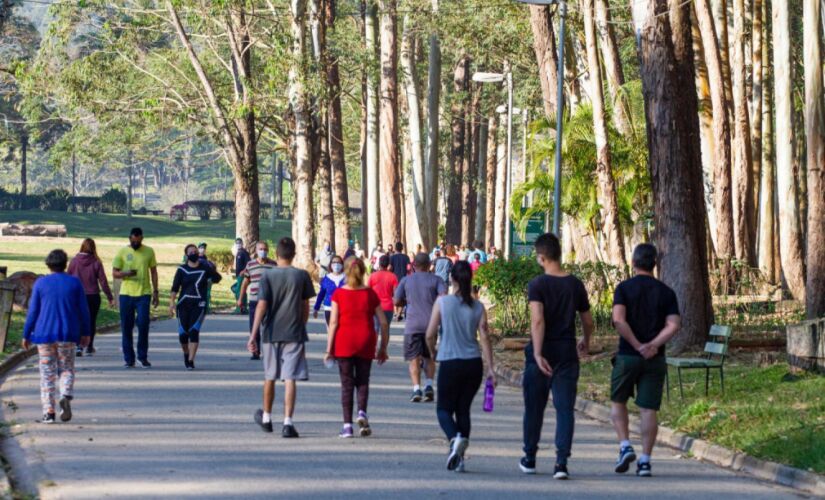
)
(459, 326)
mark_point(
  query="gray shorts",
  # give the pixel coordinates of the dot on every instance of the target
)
(284, 361)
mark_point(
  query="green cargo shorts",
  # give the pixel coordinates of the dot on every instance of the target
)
(644, 377)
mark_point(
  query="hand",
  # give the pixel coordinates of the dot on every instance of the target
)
(381, 356)
(252, 346)
(544, 366)
(155, 299)
(111, 303)
(239, 303)
(648, 350)
(327, 357)
(84, 341)
(315, 314)
(171, 311)
(583, 347)
(26, 344)
(491, 374)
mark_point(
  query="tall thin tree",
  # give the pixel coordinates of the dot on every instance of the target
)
(388, 155)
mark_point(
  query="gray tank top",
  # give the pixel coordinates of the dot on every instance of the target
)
(459, 325)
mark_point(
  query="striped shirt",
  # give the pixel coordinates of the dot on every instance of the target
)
(254, 270)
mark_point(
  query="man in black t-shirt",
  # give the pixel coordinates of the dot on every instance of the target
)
(552, 356)
(646, 316)
(399, 263)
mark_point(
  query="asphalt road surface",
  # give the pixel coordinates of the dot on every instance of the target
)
(166, 432)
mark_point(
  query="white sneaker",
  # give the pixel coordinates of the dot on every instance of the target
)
(457, 448)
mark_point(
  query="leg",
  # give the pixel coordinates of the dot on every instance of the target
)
(362, 382)
(346, 369)
(127, 326)
(472, 370)
(195, 333)
(564, 382)
(650, 429)
(48, 375)
(143, 327)
(681, 391)
(93, 301)
(618, 415)
(65, 368)
(289, 398)
(253, 304)
(269, 395)
(447, 398)
(415, 371)
(327, 315)
(536, 388)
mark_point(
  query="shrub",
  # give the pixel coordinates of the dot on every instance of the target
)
(178, 212)
(223, 259)
(203, 208)
(85, 204)
(55, 199)
(505, 281)
(113, 201)
(8, 201)
(226, 209)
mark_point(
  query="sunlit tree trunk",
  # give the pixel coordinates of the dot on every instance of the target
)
(432, 170)
(492, 164)
(388, 155)
(455, 174)
(470, 168)
(321, 162)
(547, 57)
(768, 263)
(372, 186)
(612, 67)
(756, 116)
(501, 193)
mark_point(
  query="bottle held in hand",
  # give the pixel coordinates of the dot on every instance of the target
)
(489, 395)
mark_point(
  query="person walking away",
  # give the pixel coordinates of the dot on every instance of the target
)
(375, 256)
(452, 254)
(324, 260)
(280, 323)
(442, 267)
(463, 324)
(351, 342)
(329, 283)
(87, 267)
(187, 301)
(255, 269)
(242, 258)
(57, 321)
(476, 263)
(646, 317)
(384, 283)
(135, 265)
(479, 250)
(419, 292)
(552, 356)
(399, 264)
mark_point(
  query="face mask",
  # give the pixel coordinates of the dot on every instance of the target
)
(262, 254)
(192, 257)
(337, 268)
(135, 244)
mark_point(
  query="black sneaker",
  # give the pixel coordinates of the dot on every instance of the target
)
(190, 365)
(79, 352)
(90, 350)
(416, 396)
(144, 363)
(48, 418)
(129, 365)
(560, 472)
(429, 394)
(527, 465)
(255, 357)
(626, 457)
(259, 419)
(65, 409)
(643, 469)
(289, 431)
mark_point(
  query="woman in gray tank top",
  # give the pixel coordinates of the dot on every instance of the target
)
(460, 318)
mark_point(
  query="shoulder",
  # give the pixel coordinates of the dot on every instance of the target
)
(538, 281)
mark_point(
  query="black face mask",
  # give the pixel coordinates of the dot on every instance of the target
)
(135, 244)
(192, 257)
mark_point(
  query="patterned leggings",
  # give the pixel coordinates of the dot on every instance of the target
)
(56, 360)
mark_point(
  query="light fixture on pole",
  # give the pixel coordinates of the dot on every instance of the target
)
(559, 107)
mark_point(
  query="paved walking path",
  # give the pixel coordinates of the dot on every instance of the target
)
(168, 432)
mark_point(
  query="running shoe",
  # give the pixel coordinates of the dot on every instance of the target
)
(429, 394)
(186, 361)
(643, 469)
(259, 419)
(79, 352)
(90, 350)
(363, 424)
(129, 365)
(458, 446)
(190, 365)
(346, 432)
(460, 466)
(65, 409)
(416, 396)
(144, 363)
(527, 465)
(255, 357)
(560, 472)
(48, 418)
(626, 457)
(289, 431)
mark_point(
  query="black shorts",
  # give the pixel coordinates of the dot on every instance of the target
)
(415, 346)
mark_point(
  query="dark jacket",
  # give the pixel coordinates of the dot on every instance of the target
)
(88, 269)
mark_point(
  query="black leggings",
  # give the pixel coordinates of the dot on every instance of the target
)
(190, 319)
(355, 374)
(458, 383)
(93, 301)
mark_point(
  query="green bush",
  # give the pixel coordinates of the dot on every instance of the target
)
(113, 201)
(55, 199)
(223, 259)
(505, 281)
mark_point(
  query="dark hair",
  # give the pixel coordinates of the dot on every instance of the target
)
(187, 247)
(399, 246)
(644, 257)
(462, 275)
(384, 261)
(548, 246)
(336, 257)
(422, 261)
(136, 231)
(56, 261)
(286, 249)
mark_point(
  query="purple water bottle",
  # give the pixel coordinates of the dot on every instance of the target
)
(489, 394)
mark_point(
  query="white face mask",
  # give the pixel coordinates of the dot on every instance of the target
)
(262, 254)
(337, 268)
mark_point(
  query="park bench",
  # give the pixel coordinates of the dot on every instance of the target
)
(716, 350)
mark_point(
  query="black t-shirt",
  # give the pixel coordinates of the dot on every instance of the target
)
(192, 282)
(399, 263)
(649, 302)
(562, 298)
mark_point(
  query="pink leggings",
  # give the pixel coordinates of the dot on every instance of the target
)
(56, 361)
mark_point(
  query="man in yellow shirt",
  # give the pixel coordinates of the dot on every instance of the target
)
(135, 265)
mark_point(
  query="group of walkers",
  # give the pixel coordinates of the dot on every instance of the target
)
(445, 324)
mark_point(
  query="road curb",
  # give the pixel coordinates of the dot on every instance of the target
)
(700, 449)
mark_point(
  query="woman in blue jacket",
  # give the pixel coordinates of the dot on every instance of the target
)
(57, 322)
(334, 280)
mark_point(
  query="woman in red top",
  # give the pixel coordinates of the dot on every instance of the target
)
(383, 283)
(351, 341)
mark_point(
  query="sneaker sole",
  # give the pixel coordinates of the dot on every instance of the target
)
(453, 460)
(65, 410)
(259, 420)
(47, 422)
(644, 474)
(561, 475)
(363, 427)
(415, 399)
(429, 398)
(624, 465)
(526, 470)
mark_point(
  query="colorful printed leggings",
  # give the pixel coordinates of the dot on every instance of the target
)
(56, 360)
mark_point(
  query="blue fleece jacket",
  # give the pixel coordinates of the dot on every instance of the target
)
(58, 311)
(329, 284)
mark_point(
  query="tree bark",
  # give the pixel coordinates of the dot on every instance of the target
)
(499, 235)
(454, 180)
(613, 68)
(24, 183)
(470, 168)
(571, 72)
(768, 263)
(372, 186)
(432, 170)
(130, 190)
(790, 230)
(706, 126)
(481, 196)
(388, 156)
(815, 135)
(365, 220)
(492, 164)
(756, 117)
(720, 20)
(666, 69)
(613, 242)
(547, 57)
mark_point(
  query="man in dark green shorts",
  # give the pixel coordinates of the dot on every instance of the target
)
(646, 316)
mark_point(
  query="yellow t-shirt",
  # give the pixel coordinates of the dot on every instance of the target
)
(140, 260)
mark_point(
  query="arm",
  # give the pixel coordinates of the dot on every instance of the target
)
(432, 329)
(672, 324)
(153, 271)
(537, 336)
(122, 275)
(104, 284)
(587, 328)
(214, 275)
(305, 313)
(333, 329)
(31, 317)
(173, 294)
(242, 293)
(260, 311)
(622, 327)
(320, 299)
(381, 355)
(486, 347)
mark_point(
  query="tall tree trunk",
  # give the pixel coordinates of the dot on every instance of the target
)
(373, 188)
(335, 129)
(767, 205)
(571, 72)
(611, 231)
(706, 126)
(499, 236)
(547, 57)
(389, 160)
(722, 194)
(470, 168)
(417, 182)
(673, 143)
(815, 135)
(454, 180)
(365, 220)
(492, 173)
(130, 181)
(756, 117)
(322, 169)
(433, 130)
(613, 68)
(720, 21)
(481, 197)
(790, 230)
(743, 214)
(24, 184)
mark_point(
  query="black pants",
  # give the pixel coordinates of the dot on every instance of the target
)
(93, 301)
(355, 375)
(537, 387)
(458, 383)
(191, 314)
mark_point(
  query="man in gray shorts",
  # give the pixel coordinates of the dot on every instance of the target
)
(283, 300)
(419, 291)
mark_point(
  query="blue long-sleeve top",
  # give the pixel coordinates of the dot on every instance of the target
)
(329, 284)
(58, 311)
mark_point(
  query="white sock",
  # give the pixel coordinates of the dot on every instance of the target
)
(429, 382)
(624, 444)
(267, 418)
(416, 387)
(644, 459)
(287, 421)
